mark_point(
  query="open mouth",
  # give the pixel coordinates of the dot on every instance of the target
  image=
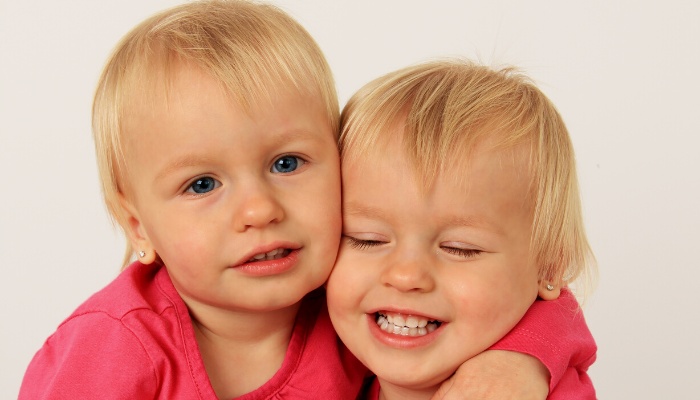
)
(410, 325)
(270, 255)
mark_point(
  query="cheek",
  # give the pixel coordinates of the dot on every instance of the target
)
(491, 299)
(319, 204)
(476, 296)
(520, 279)
(344, 295)
(321, 219)
(324, 230)
(349, 280)
(176, 240)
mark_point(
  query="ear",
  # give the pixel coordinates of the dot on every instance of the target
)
(131, 223)
(548, 290)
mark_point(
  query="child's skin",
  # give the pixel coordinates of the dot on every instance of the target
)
(224, 188)
(235, 192)
(455, 253)
(228, 185)
(441, 196)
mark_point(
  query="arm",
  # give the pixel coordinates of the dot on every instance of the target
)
(89, 357)
(497, 375)
(550, 346)
(555, 333)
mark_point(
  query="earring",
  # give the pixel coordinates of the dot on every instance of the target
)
(550, 287)
(142, 254)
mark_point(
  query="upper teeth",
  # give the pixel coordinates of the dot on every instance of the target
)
(406, 326)
(270, 255)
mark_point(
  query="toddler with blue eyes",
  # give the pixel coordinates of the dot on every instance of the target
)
(215, 127)
(460, 211)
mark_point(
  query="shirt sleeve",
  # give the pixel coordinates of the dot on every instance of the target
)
(575, 384)
(555, 332)
(90, 356)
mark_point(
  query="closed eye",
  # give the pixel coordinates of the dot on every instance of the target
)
(361, 244)
(466, 253)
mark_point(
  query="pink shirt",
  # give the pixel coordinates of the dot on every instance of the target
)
(134, 340)
(556, 333)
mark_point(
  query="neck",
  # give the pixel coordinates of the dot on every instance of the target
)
(256, 339)
(245, 327)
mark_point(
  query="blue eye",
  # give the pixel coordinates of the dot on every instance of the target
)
(203, 185)
(286, 164)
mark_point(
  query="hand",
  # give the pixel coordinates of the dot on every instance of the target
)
(497, 375)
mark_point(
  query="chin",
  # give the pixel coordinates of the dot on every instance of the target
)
(417, 385)
(408, 378)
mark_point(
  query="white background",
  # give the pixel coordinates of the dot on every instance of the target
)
(624, 74)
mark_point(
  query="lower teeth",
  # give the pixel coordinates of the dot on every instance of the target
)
(279, 254)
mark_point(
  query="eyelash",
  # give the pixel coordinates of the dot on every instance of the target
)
(362, 244)
(466, 253)
(366, 244)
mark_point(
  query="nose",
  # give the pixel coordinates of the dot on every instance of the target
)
(258, 207)
(409, 272)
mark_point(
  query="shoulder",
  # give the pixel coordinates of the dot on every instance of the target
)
(95, 335)
(139, 307)
(135, 288)
(87, 354)
(133, 337)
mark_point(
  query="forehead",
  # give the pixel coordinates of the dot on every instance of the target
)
(482, 150)
(487, 184)
(185, 89)
(156, 85)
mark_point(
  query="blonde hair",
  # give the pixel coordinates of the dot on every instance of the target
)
(254, 50)
(450, 106)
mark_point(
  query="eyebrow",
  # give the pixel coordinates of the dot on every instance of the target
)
(469, 221)
(182, 162)
(358, 210)
(363, 211)
(294, 134)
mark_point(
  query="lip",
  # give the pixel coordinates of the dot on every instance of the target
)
(269, 267)
(403, 342)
